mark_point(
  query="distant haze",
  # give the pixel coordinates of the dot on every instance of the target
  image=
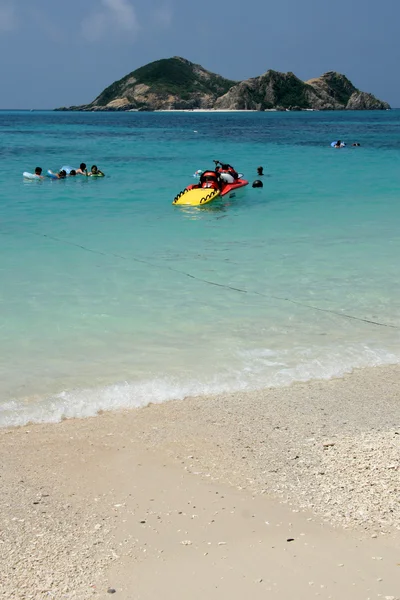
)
(59, 54)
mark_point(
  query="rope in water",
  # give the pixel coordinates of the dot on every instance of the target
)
(214, 283)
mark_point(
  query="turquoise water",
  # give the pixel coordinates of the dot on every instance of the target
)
(108, 295)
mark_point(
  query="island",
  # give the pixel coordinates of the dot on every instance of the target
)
(178, 84)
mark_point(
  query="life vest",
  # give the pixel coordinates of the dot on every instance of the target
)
(209, 179)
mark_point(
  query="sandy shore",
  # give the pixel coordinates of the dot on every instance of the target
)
(199, 498)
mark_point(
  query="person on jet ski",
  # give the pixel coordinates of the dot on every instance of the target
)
(226, 172)
(210, 179)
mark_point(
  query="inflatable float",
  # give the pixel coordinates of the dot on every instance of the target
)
(235, 185)
(196, 196)
(31, 176)
(226, 188)
(67, 169)
(212, 184)
(230, 179)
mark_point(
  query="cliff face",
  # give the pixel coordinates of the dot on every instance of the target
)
(271, 90)
(331, 91)
(364, 101)
(334, 88)
(176, 83)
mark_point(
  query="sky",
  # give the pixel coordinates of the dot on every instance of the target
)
(57, 53)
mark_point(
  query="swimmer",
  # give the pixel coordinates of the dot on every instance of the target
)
(95, 172)
(260, 171)
(82, 169)
(61, 175)
(38, 172)
(72, 173)
(356, 144)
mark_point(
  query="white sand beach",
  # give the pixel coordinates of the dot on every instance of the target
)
(283, 493)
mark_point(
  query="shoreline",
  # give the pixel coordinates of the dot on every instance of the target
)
(81, 402)
(104, 501)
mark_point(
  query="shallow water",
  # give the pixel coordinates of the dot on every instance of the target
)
(112, 297)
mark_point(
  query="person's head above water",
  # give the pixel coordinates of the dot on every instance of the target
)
(82, 167)
(62, 174)
(338, 144)
(95, 172)
(38, 171)
(72, 173)
(260, 170)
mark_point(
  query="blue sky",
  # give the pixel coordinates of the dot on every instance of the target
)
(61, 53)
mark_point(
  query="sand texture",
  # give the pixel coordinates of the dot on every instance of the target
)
(184, 499)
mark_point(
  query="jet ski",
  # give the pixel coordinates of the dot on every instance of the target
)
(230, 179)
(213, 183)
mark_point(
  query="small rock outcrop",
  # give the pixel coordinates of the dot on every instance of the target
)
(176, 83)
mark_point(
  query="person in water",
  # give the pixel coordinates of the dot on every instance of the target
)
(339, 144)
(82, 169)
(72, 173)
(356, 144)
(95, 172)
(225, 172)
(260, 171)
(38, 172)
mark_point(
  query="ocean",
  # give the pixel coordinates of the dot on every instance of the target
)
(113, 298)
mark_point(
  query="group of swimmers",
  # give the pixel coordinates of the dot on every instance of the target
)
(341, 144)
(63, 173)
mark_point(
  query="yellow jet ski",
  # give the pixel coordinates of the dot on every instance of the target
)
(196, 196)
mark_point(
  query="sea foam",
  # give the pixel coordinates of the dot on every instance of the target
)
(261, 368)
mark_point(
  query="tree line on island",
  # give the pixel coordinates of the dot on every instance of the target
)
(178, 84)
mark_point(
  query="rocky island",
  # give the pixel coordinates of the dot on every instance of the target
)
(178, 84)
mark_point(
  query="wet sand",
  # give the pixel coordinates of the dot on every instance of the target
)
(198, 498)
